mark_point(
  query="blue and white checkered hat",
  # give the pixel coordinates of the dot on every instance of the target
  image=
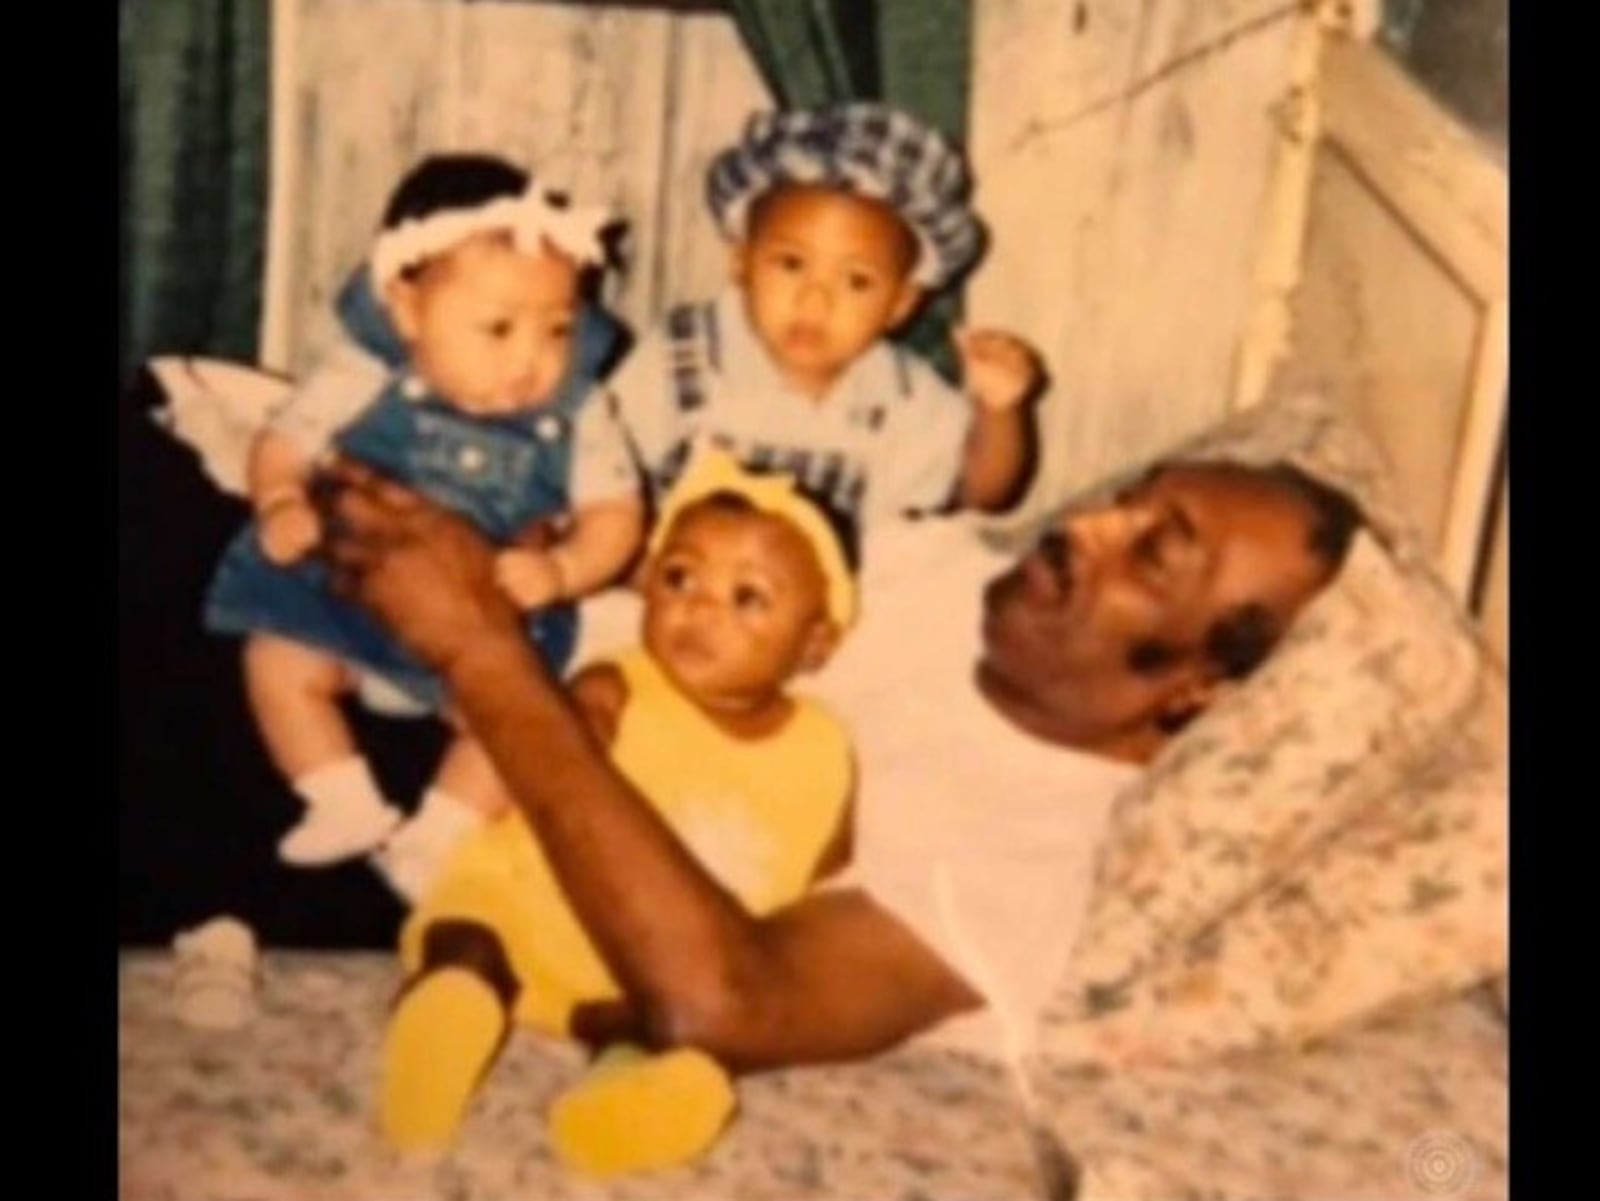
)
(870, 149)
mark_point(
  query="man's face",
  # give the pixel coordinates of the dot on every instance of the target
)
(489, 327)
(735, 604)
(1096, 636)
(825, 273)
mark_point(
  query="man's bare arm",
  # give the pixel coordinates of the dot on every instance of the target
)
(832, 977)
(840, 978)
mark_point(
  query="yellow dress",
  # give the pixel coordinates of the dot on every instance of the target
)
(757, 813)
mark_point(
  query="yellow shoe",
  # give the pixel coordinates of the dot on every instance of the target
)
(636, 1112)
(442, 1035)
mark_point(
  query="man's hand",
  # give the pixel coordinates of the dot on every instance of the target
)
(998, 370)
(288, 530)
(423, 571)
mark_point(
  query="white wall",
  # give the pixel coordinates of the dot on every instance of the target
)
(1123, 151)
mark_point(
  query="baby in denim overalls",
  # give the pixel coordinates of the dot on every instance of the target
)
(469, 372)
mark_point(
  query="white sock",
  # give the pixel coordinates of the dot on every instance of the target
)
(345, 784)
(345, 815)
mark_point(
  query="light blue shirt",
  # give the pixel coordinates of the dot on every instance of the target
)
(886, 440)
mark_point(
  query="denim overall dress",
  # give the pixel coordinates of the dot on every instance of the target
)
(500, 472)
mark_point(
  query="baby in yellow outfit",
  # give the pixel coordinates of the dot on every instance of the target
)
(746, 585)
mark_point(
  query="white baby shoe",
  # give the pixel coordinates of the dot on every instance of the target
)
(214, 978)
(331, 832)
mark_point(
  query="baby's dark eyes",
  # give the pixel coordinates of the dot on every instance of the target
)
(497, 329)
(676, 577)
(750, 600)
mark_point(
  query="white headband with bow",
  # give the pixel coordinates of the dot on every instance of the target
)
(530, 219)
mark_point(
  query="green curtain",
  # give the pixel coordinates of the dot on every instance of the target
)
(915, 54)
(194, 101)
(808, 51)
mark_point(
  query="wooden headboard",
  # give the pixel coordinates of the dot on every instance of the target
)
(1391, 292)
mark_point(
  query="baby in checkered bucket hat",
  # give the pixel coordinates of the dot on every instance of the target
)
(841, 221)
(866, 149)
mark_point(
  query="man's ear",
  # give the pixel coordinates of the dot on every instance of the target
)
(401, 298)
(822, 639)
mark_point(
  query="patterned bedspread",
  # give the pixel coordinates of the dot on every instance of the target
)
(1415, 1107)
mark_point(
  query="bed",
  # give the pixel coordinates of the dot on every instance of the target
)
(1291, 984)
(279, 1112)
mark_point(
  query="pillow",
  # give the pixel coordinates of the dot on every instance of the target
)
(1406, 904)
(1370, 683)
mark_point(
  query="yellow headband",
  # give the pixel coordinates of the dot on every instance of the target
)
(774, 494)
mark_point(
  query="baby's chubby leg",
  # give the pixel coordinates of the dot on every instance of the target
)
(450, 1019)
(294, 693)
(465, 794)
